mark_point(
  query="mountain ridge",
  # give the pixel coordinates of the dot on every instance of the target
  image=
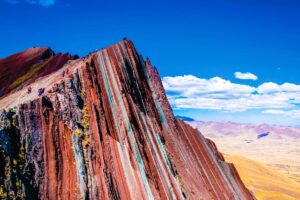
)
(103, 128)
(28, 65)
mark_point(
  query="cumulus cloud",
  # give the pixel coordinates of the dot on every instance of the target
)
(245, 76)
(271, 87)
(44, 3)
(218, 94)
(192, 86)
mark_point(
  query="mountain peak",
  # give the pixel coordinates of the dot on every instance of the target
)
(102, 128)
(23, 68)
(31, 52)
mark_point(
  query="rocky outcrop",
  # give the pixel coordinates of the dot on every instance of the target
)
(104, 129)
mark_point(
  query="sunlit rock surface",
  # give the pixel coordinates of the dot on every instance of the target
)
(104, 129)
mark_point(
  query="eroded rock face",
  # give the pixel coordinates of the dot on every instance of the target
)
(105, 130)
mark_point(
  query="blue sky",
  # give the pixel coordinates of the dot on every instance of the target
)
(205, 39)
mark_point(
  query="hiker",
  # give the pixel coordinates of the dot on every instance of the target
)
(41, 91)
(63, 73)
(29, 90)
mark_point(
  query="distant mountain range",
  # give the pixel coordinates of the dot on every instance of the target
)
(275, 146)
(212, 128)
(232, 128)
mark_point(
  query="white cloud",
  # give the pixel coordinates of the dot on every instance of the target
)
(44, 3)
(245, 76)
(218, 94)
(295, 114)
(192, 86)
(290, 87)
(271, 87)
(274, 112)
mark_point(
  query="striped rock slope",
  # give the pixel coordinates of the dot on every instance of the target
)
(104, 129)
